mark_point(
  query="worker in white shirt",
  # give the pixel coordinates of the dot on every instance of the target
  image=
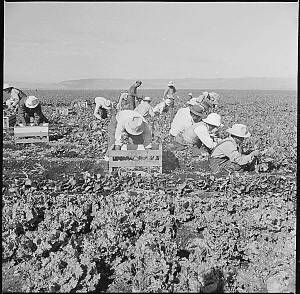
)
(144, 108)
(201, 134)
(102, 106)
(185, 118)
(163, 106)
(15, 97)
(122, 102)
(130, 123)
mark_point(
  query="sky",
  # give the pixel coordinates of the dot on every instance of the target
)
(57, 41)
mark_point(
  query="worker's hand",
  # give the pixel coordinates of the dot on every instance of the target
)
(117, 147)
(255, 153)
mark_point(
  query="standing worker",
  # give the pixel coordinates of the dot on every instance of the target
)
(170, 93)
(227, 155)
(15, 96)
(101, 108)
(30, 107)
(132, 95)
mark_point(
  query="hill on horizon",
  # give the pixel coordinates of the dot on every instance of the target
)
(251, 83)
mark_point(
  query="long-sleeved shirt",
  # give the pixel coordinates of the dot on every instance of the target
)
(132, 95)
(229, 149)
(160, 107)
(182, 120)
(196, 132)
(169, 93)
(15, 96)
(144, 109)
(24, 112)
(121, 118)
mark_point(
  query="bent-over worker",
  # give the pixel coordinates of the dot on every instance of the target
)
(163, 106)
(227, 155)
(101, 108)
(185, 118)
(129, 123)
(201, 133)
(144, 108)
(15, 96)
(30, 107)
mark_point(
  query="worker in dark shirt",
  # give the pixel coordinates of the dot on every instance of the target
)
(132, 95)
(30, 107)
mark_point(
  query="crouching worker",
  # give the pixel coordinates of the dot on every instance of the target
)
(30, 107)
(15, 96)
(101, 108)
(201, 136)
(129, 123)
(227, 155)
(162, 107)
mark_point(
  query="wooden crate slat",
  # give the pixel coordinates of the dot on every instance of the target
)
(31, 134)
(133, 163)
(114, 153)
(30, 129)
(31, 140)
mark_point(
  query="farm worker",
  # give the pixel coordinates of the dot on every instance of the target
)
(201, 133)
(122, 100)
(163, 106)
(144, 108)
(130, 123)
(132, 95)
(185, 118)
(30, 107)
(190, 95)
(227, 155)
(101, 108)
(170, 93)
(15, 96)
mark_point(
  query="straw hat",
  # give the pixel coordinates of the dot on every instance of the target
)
(147, 99)
(239, 130)
(107, 104)
(171, 83)
(168, 102)
(6, 86)
(134, 125)
(31, 102)
(213, 119)
(192, 101)
(197, 110)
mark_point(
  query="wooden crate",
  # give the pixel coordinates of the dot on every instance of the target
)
(9, 121)
(130, 158)
(30, 134)
(62, 111)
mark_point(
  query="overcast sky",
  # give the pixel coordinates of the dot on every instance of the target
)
(55, 41)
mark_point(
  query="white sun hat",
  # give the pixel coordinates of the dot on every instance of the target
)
(239, 130)
(134, 125)
(107, 104)
(7, 86)
(147, 99)
(31, 102)
(213, 119)
(190, 94)
(171, 83)
(168, 102)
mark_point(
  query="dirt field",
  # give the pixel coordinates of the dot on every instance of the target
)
(68, 225)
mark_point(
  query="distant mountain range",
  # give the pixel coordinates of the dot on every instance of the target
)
(251, 83)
